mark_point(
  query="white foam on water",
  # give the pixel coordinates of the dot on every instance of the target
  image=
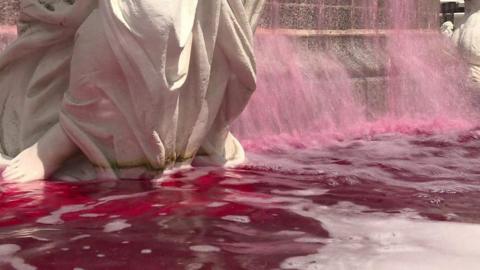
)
(205, 248)
(289, 233)
(92, 215)
(369, 241)
(216, 204)
(146, 251)
(9, 249)
(239, 219)
(194, 266)
(361, 239)
(116, 225)
(7, 256)
(302, 192)
(79, 237)
(19, 264)
(311, 240)
(123, 197)
(56, 216)
(238, 182)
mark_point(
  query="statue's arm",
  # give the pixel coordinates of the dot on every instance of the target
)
(79, 12)
(61, 13)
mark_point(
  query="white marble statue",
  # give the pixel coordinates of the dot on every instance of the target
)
(467, 38)
(447, 29)
(136, 88)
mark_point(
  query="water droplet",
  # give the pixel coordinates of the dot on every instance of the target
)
(146, 251)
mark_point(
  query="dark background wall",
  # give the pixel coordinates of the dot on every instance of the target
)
(303, 14)
(344, 14)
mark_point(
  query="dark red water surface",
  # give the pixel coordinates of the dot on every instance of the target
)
(282, 204)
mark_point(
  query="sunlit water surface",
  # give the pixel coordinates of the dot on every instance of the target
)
(383, 202)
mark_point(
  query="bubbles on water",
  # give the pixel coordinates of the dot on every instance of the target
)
(436, 201)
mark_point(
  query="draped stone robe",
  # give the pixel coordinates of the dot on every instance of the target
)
(152, 85)
(34, 70)
(467, 38)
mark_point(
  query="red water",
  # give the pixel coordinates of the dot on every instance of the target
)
(242, 218)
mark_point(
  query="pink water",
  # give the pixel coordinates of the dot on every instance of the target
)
(329, 183)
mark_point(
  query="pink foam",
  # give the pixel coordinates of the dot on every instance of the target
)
(7, 35)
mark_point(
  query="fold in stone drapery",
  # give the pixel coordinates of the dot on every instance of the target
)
(152, 84)
(468, 40)
(34, 70)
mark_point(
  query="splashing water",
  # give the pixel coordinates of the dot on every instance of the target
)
(307, 97)
(296, 98)
(7, 35)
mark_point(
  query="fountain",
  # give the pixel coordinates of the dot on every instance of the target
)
(363, 148)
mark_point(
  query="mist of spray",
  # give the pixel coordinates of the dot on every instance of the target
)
(7, 35)
(307, 97)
